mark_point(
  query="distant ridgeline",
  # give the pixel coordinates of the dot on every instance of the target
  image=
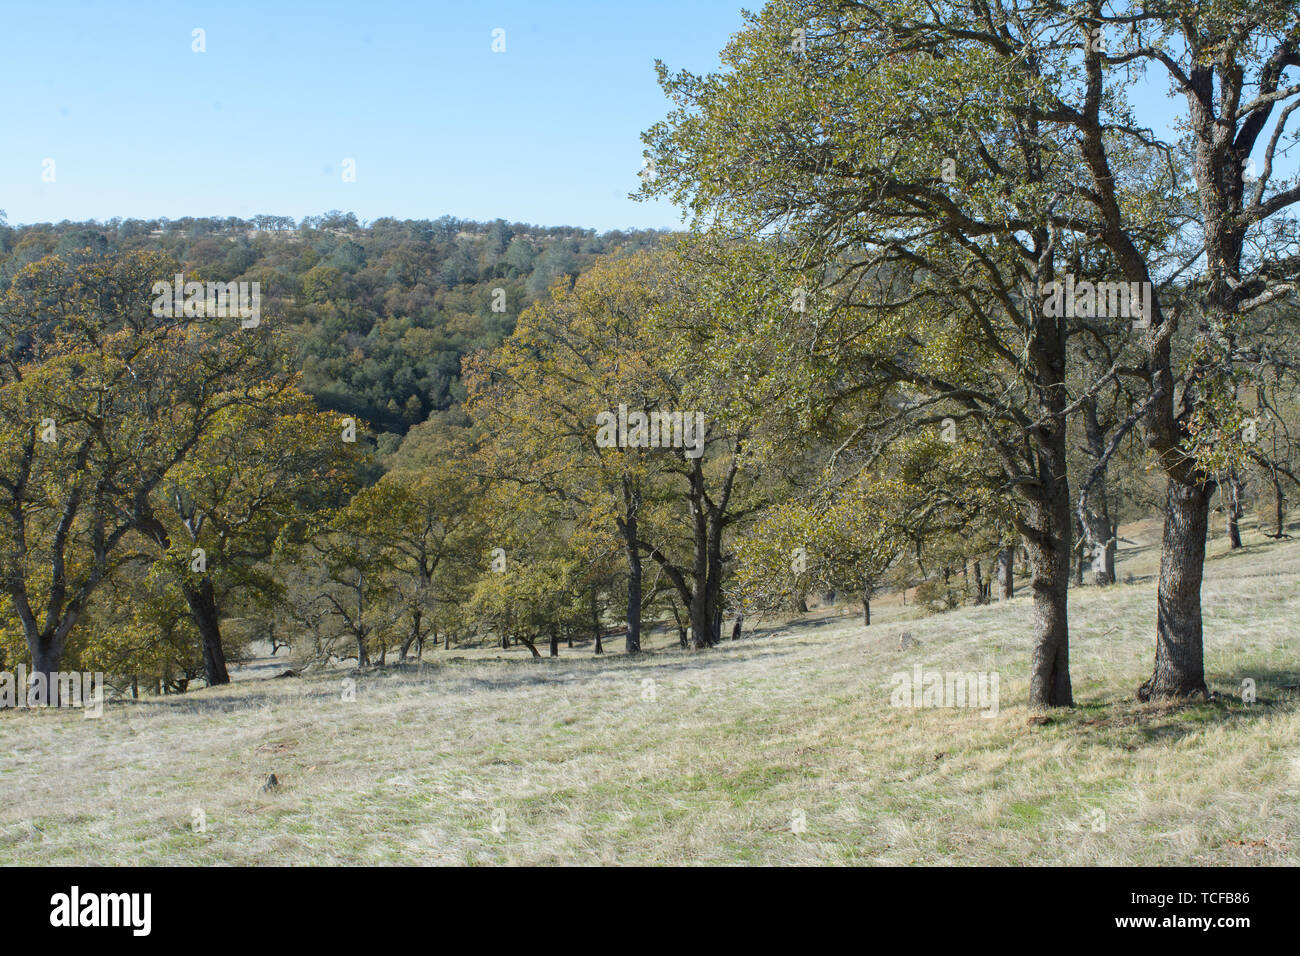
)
(380, 314)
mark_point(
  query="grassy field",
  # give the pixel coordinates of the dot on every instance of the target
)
(780, 748)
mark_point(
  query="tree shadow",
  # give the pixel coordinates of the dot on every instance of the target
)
(1139, 725)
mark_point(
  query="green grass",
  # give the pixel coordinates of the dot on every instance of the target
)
(780, 748)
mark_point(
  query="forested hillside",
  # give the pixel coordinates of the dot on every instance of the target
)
(380, 314)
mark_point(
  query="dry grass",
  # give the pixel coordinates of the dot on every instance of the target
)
(487, 757)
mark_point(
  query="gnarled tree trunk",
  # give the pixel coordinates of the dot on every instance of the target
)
(1179, 668)
(1046, 528)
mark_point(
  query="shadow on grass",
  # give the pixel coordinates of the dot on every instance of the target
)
(1250, 549)
(1273, 685)
(1131, 725)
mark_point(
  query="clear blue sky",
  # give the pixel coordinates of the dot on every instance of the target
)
(139, 126)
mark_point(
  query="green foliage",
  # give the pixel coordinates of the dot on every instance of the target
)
(380, 316)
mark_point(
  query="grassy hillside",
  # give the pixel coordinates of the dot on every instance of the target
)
(677, 757)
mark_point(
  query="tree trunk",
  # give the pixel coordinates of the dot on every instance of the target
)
(704, 611)
(706, 614)
(632, 544)
(1078, 558)
(1049, 683)
(709, 584)
(555, 641)
(45, 661)
(713, 586)
(1112, 543)
(1048, 524)
(866, 605)
(1099, 535)
(1097, 530)
(701, 623)
(699, 587)
(595, 619)
(412, 636)
(1279, 507)
(1102, 542)
(1234, 510)
(202, 603)
(1179, 668)
(1006, 572)
(363, 654)
(681, 628)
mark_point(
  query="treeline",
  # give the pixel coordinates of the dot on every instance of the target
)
(378, 315)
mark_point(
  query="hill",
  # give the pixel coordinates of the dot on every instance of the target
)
(380, 313)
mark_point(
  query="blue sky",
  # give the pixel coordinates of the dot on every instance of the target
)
(139, 125)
